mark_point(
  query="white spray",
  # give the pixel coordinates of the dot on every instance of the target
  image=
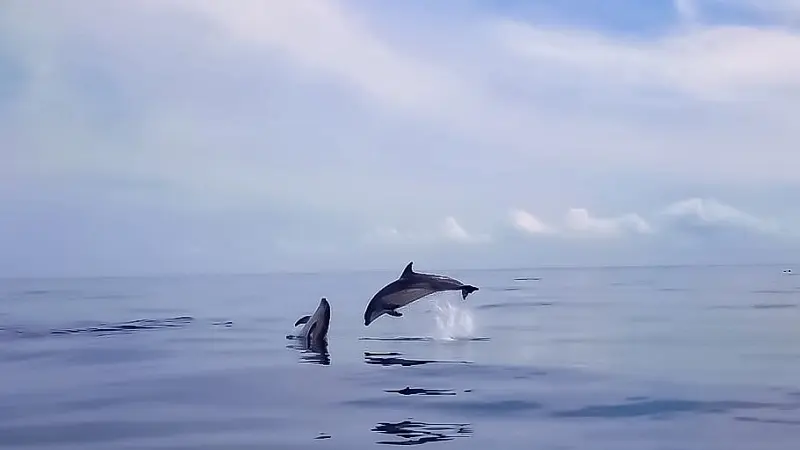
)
(454, 320)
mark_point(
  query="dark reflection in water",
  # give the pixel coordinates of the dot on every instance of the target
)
(672, 289)
(315, 353)
(514, 305)
(791, 422)
(322, 358)
(399, 338)
(382, 354)
(420, 391)
(415, 433)
(774, 305)
(659, 408)
(756, 306)
(418, 339)
(394, 360)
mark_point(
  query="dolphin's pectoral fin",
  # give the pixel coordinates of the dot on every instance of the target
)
(394, 313)
(302, 320)
(466, 290)
(408, 271)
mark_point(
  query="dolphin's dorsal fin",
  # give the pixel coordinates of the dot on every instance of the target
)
(408, 271)
(302, 320)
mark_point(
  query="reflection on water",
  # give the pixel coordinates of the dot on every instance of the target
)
(420, 391)
(130, 326)
(659, 408)
(415, 433)
(514, 305)
(791, 422)
(398, 339)
(393, 360)
(419, 339)
(315, 352)
(103, 329)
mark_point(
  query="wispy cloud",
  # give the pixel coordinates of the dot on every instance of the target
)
(717, 63)
(699, 213)
(706, 214)
(528, 223)
(298, 125)
(579, 220)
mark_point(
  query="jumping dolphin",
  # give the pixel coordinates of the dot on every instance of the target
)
(410, 287)
(314, 333)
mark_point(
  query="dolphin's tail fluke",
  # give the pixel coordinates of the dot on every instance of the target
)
(466, 290)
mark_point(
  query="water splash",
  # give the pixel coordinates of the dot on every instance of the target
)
(454, 320)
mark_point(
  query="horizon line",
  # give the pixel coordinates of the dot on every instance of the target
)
(373, 270)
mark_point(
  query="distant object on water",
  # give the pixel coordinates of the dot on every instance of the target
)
(787, 270)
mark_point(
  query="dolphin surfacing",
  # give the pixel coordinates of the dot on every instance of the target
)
(410, 287)
(314, 334)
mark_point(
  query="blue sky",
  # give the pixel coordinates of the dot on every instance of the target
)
(205, 136)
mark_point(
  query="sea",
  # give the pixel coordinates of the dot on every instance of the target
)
(644, 358)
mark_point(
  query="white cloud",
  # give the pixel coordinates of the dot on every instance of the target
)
(330, 39)
(709, 63)
(700, 213)
(324, 109)
(579, 220)
(528, 223)
(453, 231)
(448, 230)
(690, 214)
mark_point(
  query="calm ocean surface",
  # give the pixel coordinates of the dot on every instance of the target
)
(628, 358)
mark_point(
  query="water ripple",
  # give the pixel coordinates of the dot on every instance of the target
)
(130, 326)
(422, 339)
(658, 408)
(420, 391)
(394, 360)
(111, 431)
(514, 305)
(103, 329)
(415, 433)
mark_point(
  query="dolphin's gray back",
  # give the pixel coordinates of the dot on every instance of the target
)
(403, 297)
(437, 282)
(404, 291)
(319, 321)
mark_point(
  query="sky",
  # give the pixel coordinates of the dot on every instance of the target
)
(198, 136)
